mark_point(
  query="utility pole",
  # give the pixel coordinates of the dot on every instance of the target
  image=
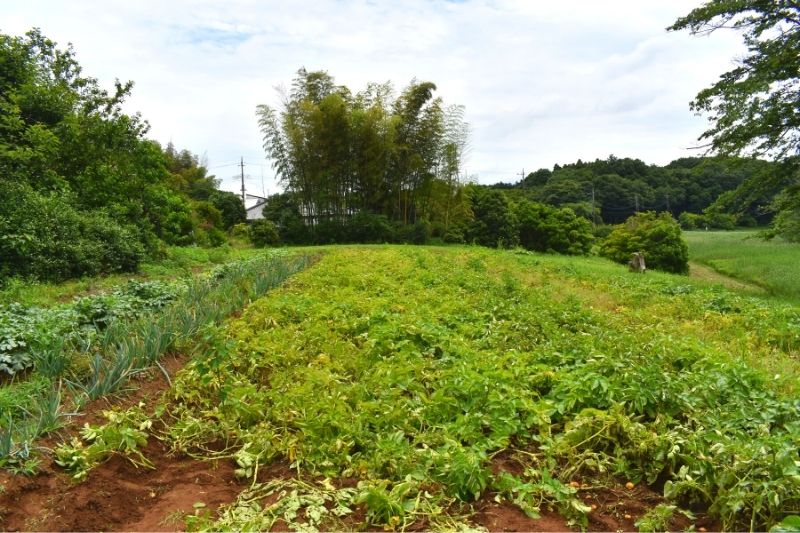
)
(522, 177)
(263, 189)
(241, 164)
(636, 195)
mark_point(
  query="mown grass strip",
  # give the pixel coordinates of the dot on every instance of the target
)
(773, 265)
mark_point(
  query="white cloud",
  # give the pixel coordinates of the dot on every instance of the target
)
(543, 82)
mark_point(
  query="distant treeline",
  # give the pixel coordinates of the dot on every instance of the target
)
(622, 186)
(82, 191)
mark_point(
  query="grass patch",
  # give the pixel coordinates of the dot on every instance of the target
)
(773, 265)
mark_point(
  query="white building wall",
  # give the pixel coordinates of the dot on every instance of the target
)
(256, 212)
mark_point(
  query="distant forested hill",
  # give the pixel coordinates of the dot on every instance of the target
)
(621, 185)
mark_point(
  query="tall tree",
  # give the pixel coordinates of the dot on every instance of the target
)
(755, 108)
(339, 154)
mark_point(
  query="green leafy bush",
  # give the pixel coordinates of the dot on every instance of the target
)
(495, 224)
(787, 221)
(708, 220)
(454, 235)
(370, 228)
(550, 229)
(230, 207)
(417, 233)
(45, 237)
(658, 236)
(240, 230)
(263, 232)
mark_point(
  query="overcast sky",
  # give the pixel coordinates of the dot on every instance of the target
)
(543, 82)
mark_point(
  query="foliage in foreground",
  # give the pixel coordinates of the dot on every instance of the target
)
(28, 332)
(658, 236)
(408, 369)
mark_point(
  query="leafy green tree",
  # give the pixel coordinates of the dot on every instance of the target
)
(538, 178)
(263, 232)
(494, 224)
(658, 236)
(284, 211)
(230, 207)
(340, 154)
(550, 229)
(42, 236)
(755, 107)
(188, 175)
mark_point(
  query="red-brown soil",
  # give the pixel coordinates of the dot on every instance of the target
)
(118, 496)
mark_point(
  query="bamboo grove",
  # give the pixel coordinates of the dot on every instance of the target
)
(342, 153)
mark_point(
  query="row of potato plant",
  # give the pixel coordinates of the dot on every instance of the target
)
(410, 369)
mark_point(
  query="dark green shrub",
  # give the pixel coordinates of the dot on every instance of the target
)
(494, 224)
(207, 215)
(746, 220)
(658, 236)
(230, 207)
(330, 232)
(263, 232)
(438, 230)
(708, 220)
(714, 220)
(417, 233)
(120, 245)
(454, 235)
(546, 228)
(45, 237)
(240, 230)
(171, 216)
(601, 231)
(210, 237)
(689, 221)
(284, 211)
(370, 228)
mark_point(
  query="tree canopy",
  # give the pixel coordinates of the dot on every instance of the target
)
(341, 153)
(755, 107)
(90, 192)
(619, 187)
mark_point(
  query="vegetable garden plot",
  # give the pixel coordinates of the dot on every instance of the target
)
(397, 374)
(90, 348)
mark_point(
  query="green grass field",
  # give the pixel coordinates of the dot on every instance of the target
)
(773, 265)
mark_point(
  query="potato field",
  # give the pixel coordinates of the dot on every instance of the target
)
(433, 388)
